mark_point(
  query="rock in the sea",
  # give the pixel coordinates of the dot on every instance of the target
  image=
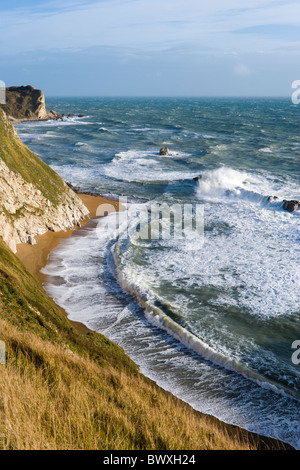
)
(272, 198)
(53, 115)
(291, 206)
(164, 151)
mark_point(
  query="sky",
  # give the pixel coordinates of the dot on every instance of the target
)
(151, 47)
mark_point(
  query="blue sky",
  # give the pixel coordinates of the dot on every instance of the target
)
(151, 47)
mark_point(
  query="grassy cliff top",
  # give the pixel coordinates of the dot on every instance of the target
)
(20, 159)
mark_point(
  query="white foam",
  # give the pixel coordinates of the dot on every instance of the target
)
(53, 123)
(255, 259)
(214, 183)
(223, 183)
(265, 150)
(28, 136)
(80, 175)
(140, 166)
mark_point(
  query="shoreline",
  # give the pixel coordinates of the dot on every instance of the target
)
(35, 257)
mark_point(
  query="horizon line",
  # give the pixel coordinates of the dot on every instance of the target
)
(167, 96)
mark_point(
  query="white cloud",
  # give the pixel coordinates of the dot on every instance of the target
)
(144, 24)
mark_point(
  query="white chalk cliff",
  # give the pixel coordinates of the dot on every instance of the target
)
(33, 198)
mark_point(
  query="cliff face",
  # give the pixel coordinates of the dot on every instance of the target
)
(33, 198)
(27, 103)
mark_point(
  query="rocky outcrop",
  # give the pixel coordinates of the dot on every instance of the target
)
(288, 205)
(25, 103)
(164, 151)
(291, 206)
(33, 198)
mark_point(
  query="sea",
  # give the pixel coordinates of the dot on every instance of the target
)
(211, 314)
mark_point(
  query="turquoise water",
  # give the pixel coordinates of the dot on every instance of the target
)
(212, 322)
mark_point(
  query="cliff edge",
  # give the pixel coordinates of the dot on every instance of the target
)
(33, 198)
(26, 103)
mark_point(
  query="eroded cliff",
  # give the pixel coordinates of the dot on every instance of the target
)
(33, 198)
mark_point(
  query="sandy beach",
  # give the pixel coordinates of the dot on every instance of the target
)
(35, 257)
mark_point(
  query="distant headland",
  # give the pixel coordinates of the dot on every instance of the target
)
(26, 103)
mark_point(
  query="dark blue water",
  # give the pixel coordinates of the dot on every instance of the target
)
(213, 322)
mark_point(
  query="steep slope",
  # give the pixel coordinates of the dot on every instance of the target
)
(33, 198)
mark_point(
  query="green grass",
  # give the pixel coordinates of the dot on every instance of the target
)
(27, 306)
(20, 159)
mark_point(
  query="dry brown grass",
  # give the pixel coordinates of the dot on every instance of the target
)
(52, 398)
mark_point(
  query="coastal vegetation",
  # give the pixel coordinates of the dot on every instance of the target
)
(22, 161)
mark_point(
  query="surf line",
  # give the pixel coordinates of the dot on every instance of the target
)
(158, 318)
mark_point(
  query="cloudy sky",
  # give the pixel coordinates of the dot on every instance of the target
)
(151, 47)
